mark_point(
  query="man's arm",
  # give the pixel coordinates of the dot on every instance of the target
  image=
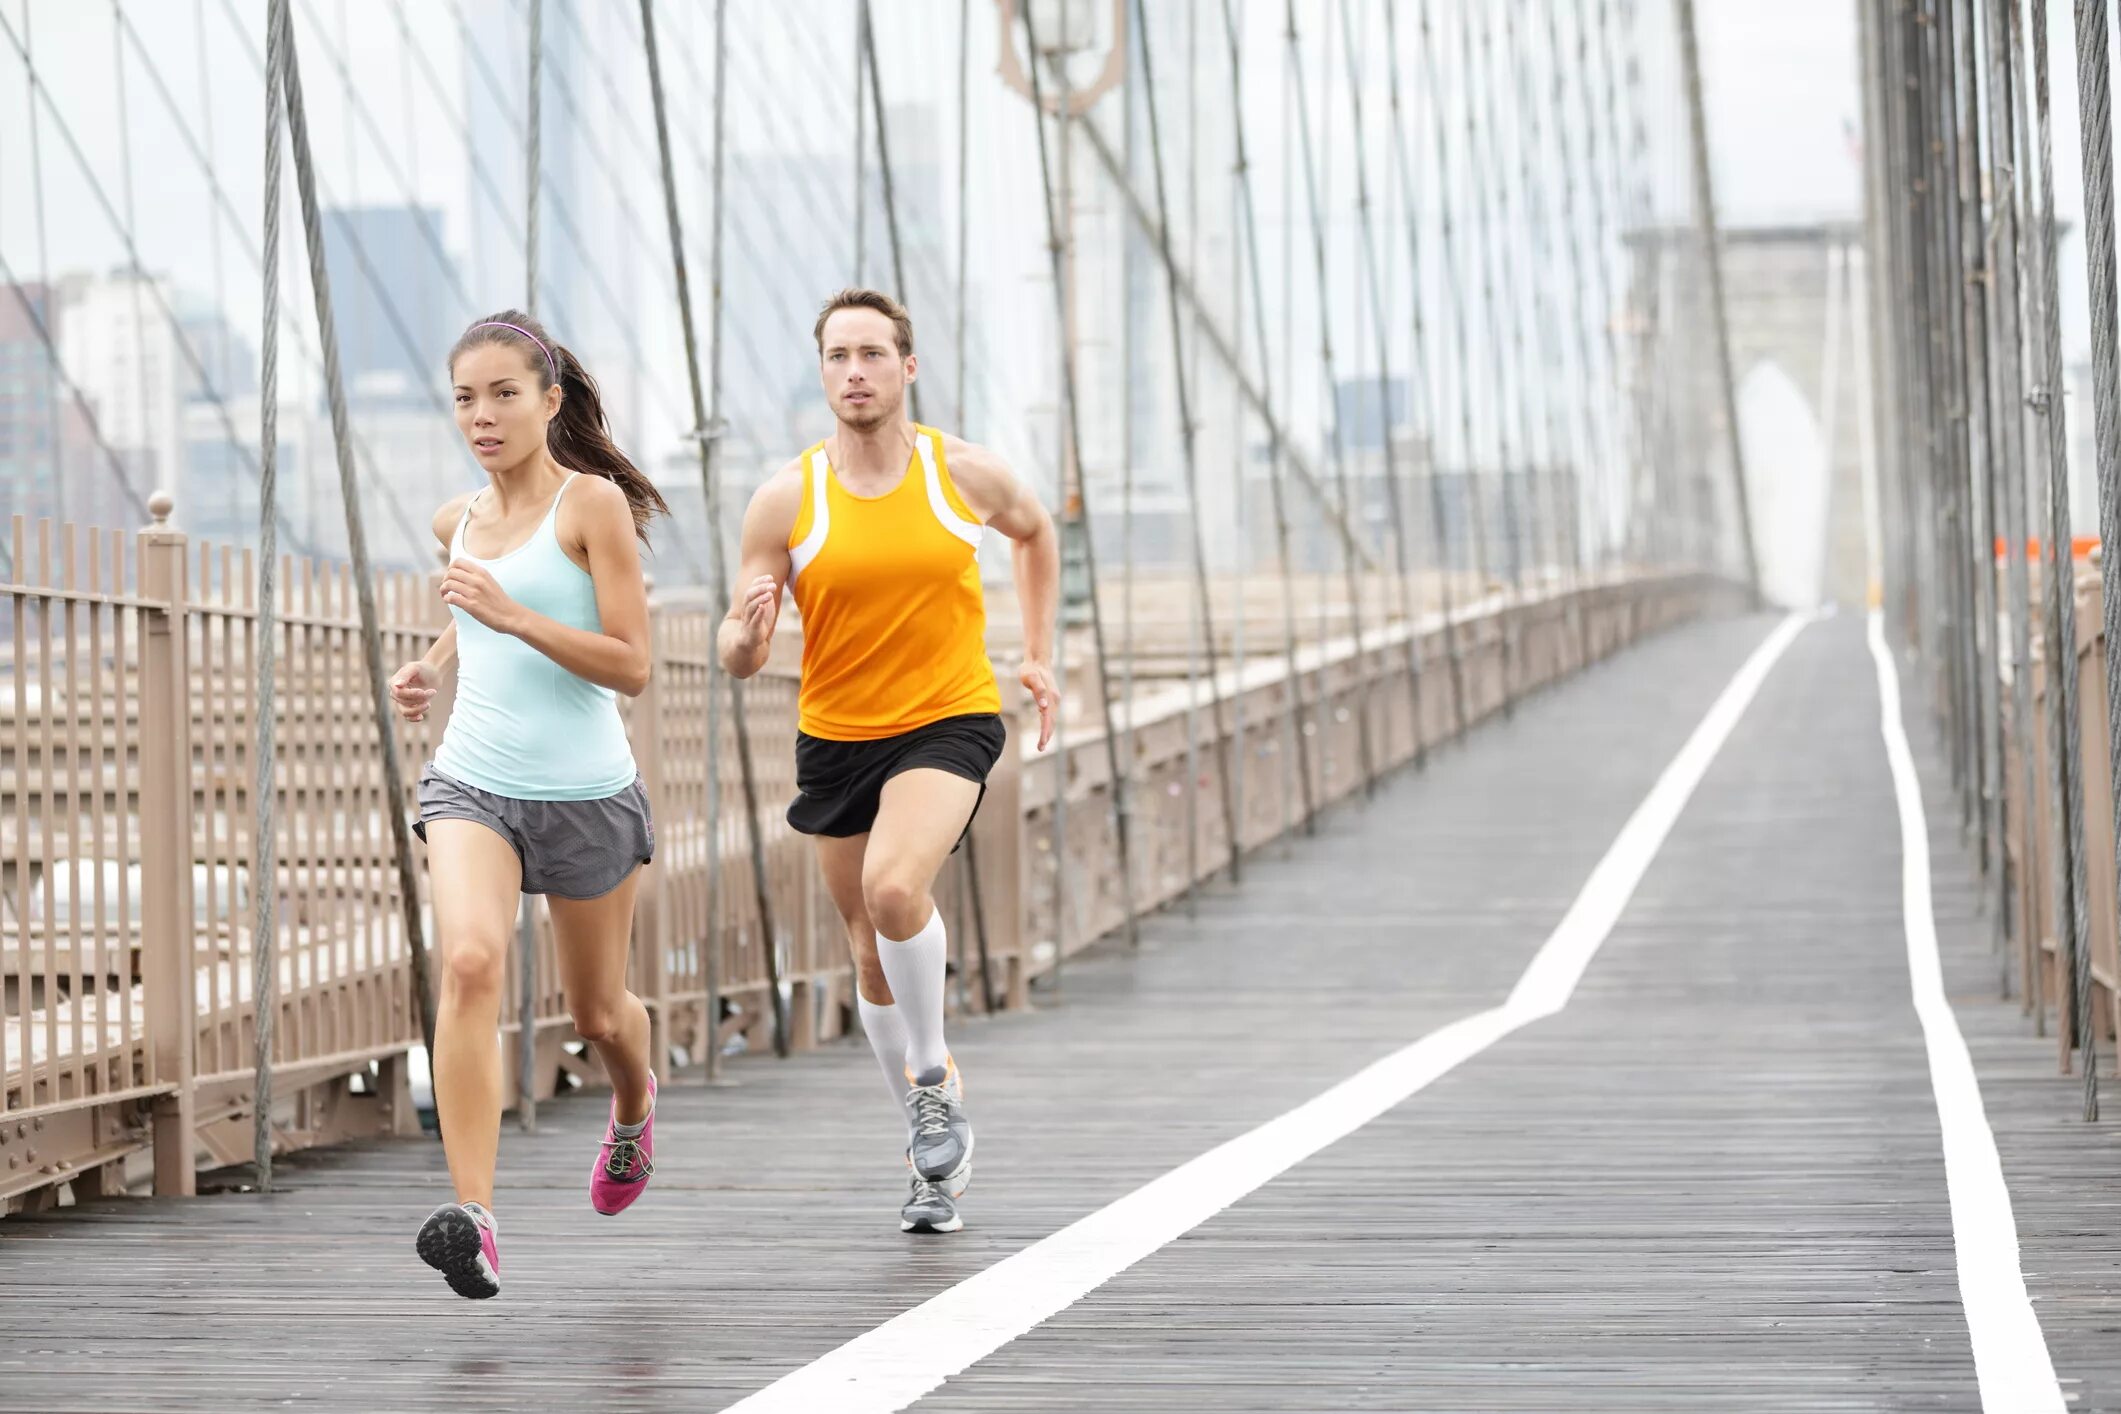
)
(744, 640)
(995, 494)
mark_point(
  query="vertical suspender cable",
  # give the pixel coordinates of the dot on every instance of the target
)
(1277, 491)
(1072, 413)
(2071, 909)
(1960, 469)
(527, 915)
(2010, 443)
(1340, 457)
(1942, 189)
(1455, 281)
(1719, 309)
(1529, 139)
(1422, 406)
(1651, 389)
(708, 435)
(1599, 493)
(2094, 99)
(719, 685)
(265, 867)
(988, 1000)
(1187, 432)
(1579, 319)
(2031, 243)
(1494, 227)
(1974, 279)
(1188, 362)
(356, 537)
(1395, 500)
(861, 160)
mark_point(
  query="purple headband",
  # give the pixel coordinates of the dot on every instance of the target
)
(497, 324)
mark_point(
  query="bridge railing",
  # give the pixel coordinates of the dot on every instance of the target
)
(127, 765)
(2038, 965)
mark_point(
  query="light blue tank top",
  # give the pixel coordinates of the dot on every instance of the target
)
(523, 726)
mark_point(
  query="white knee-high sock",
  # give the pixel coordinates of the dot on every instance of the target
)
(915, 967)
(887, 1037)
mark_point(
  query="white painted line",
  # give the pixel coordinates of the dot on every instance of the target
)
(886, 1369)
(2011, 1361)
(1551, 980)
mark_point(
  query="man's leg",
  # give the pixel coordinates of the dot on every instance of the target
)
(840, 861)
(923, 812)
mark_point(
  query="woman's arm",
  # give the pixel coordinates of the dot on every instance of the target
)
(615, 654)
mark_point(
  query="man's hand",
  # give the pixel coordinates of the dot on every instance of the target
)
(1037, 678)
(413, 688)
(469, 587)
(762, 609)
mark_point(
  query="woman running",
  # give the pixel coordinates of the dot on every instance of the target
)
(533, 789)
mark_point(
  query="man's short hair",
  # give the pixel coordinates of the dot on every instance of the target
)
(891, 309)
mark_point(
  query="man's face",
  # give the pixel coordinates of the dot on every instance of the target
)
(865, 378)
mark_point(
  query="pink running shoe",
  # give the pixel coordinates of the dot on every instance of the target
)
(456, 1243)
(623, 1166)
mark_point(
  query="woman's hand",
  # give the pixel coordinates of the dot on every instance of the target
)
(469, 587)
(413, 688)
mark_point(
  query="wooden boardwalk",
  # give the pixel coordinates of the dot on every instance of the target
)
(1713, 1181)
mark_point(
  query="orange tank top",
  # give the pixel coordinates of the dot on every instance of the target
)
(894, 619)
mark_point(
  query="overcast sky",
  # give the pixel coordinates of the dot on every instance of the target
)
(1781, 82)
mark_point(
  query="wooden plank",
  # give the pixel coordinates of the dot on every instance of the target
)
(772, 1232)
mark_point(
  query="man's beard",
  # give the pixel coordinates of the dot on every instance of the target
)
(864, 416)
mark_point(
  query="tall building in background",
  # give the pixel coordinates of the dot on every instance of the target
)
(392, 300)
(30, 457)
(120, 349)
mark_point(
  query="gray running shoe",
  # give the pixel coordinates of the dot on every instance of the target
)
(942, 1137)
(928, 1209)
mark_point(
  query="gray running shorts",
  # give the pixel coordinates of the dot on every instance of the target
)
(569, 848)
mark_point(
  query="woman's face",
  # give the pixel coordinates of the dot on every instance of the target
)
(501, 410)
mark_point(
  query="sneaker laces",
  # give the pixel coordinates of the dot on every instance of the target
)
(625, 1153)
(931, 1109)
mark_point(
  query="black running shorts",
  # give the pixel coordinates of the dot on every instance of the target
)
(840, 784)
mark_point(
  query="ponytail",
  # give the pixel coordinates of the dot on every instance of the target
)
(579, 435)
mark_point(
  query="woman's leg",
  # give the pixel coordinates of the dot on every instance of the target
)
(476, 881)
(593, 937)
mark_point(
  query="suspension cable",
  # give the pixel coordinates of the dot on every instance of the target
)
(1277, 493)
(707, 439)
(2071, 910)
(1396, 501)
(1191, 461)
(264, 875)
(356, 537)
(1349, 567)
(1072, 414)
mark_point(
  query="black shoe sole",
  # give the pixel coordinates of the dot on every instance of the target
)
(449, 1242)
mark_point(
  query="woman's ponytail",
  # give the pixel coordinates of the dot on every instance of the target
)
(579, 436)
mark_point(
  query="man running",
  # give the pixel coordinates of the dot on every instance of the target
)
(877, 531)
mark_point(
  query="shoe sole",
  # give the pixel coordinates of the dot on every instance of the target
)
(955, 1185)
(956, 1222)
(449, 1242)
(631, 1195)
